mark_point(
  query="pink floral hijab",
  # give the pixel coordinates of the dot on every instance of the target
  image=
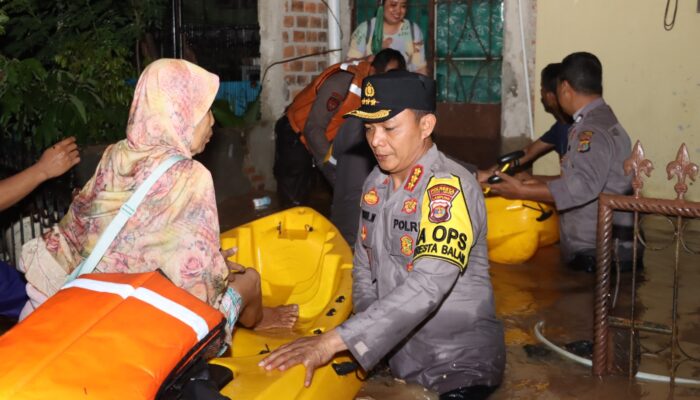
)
(176, 227)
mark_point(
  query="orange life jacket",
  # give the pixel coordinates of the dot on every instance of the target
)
(106, 336)
(299, 110)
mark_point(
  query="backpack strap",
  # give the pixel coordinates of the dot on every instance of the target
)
(125, 212)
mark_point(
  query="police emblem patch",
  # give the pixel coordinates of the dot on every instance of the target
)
(406, 245)
(584, 141)
(363, 232)
(414, 178)
(441, 197)
(410, 206)
(369, 90)
(445, 229)
(371, 198)
(333, 102)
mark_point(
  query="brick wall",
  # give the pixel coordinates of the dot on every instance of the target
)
(304, 31)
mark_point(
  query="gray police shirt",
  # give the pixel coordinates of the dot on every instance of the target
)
(422, 291)
(593, 164)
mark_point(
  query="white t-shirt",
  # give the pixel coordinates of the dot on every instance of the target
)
(410, 44)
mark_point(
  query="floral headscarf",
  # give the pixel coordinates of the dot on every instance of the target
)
(176, 227)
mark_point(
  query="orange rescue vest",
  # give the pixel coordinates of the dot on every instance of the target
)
(106, 336)
(299, 110)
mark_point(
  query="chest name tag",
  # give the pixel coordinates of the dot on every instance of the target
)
(445, 227)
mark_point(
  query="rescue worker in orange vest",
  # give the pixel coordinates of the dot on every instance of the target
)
(305, 133)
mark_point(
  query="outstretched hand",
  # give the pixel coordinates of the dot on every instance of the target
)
(311, 351)
(59, 158)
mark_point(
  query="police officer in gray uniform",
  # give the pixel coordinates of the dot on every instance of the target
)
(422, 292)
(593, 164)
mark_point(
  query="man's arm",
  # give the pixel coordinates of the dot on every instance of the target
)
(532, 151)
(535, 150)
(585, 179)
(513, 188)
(54, 162)
(329, 98)
(373, 333)
(364, 289)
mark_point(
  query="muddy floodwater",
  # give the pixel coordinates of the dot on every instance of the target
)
(542, 289)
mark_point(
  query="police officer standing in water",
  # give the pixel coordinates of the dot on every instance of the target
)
(422, 292)
(593, 164)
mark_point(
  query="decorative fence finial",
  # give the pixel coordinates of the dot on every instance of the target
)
(635, 166)
(682, 168)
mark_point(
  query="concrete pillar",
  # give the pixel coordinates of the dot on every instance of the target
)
(515, 124)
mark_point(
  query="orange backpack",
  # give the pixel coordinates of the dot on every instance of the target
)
(103, 336)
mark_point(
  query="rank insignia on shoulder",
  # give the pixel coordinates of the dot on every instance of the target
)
(371, 198)
(406, 245)
(363, 233)
(410, 206)
(584, 141)
(414, 178)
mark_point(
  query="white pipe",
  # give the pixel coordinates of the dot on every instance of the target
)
(643, 376)
(525, 69)
(334, 31)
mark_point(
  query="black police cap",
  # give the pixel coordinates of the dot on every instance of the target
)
(385, 95)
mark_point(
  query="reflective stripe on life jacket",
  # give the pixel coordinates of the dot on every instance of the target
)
(105, 336)
(183, 314)
(299, 110)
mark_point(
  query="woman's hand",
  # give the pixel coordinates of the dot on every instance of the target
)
(233, 267)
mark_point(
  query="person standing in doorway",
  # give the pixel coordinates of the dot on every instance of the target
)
(393, 31)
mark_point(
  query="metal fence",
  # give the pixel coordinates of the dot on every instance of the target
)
(606, 316)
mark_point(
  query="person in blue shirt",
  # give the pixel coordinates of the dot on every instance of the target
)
(556, 137)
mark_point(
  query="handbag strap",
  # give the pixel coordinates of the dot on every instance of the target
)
(125, 212)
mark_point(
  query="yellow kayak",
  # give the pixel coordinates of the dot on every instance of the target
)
(517, 228)
(302, 259)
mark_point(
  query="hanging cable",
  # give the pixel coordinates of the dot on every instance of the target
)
(335, 17)
(318, 53)
(669, 25)
(644, 376)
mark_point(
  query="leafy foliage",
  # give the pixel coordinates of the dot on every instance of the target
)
(64, 65)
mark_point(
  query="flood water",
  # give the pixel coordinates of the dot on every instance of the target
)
(542, 289)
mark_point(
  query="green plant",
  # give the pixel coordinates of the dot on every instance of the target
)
(65, 63)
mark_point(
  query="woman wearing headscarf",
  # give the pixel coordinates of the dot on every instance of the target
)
(176, 227)
(394, 32)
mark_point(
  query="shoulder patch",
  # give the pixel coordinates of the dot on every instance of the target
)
(584, 141)
(445, 227)
(334, 101)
